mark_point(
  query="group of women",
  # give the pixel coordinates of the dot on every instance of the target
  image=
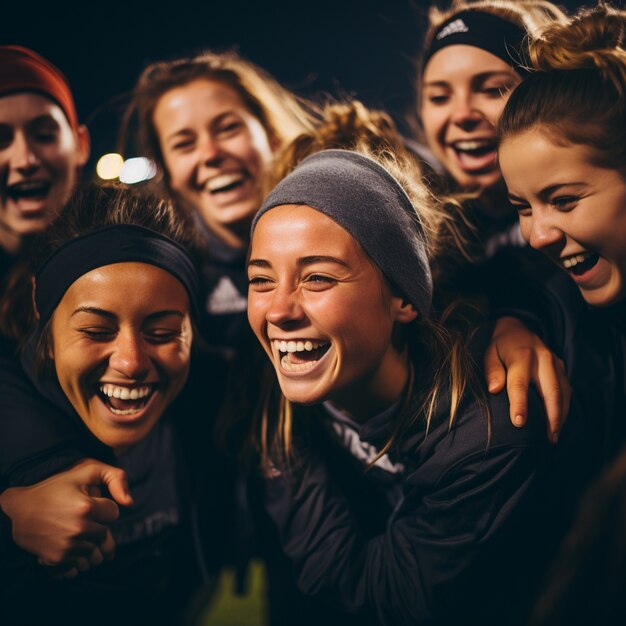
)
(146, 440)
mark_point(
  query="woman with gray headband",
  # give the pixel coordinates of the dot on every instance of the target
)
(398, 490)
(105, 376)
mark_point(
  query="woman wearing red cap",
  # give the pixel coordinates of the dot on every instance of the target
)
(42, 147)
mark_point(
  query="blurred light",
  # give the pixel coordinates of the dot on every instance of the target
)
(137, 169)
(109, 166)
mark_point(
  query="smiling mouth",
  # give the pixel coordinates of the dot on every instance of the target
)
(225, 182)
(28, 190)
(475, 155)
(578, 264)
(300, 355)
(125, 400)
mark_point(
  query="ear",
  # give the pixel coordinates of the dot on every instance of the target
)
(274, 141)
(403, 310)
(84, 145)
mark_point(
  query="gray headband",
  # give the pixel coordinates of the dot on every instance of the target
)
(367, 201)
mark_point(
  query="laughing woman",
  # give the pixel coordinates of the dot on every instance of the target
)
(42, 148)
(103, 376)
(213, 123)
(396, 488)
(562, 155)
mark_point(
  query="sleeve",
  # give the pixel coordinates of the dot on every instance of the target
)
(36, 439)
(446, 543)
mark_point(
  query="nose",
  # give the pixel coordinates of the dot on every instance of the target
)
(544, 232)
(465, 114)
(129, 356)
(210, 152)
(285, 308)
(23, 158)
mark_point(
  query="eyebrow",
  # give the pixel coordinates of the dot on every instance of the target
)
(301, 262)
(549, 190)
(476, 78)
(109, 315)
(188, 131)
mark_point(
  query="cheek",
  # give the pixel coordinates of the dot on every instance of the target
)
(525, 225)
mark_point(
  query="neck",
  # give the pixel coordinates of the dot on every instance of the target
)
(374, 395)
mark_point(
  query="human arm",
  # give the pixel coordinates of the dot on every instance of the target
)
(516, 357)
(64, 520)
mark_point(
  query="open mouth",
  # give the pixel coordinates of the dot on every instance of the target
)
(29, 190)
(578, 264)
(300, 355)
(475, 153)
(125, 400)
(226, 182)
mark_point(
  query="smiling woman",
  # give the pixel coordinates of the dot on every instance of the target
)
(105, 376)
(213, 124)
(42, 146)
(393, 484)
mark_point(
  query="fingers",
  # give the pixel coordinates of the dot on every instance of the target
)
(495, 372)
(117, 484)
(517, 384)
(555, 390)
(107, 547)
(91, 474)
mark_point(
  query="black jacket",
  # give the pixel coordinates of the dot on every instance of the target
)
(477, 518)
(151, 579)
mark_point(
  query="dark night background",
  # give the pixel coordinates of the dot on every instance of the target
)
(364, 49)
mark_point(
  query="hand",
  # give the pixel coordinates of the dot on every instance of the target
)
(64, 520)
(516, 356)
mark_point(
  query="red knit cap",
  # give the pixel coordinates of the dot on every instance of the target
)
(22, 69)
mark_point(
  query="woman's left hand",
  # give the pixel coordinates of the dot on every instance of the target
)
(516, 357)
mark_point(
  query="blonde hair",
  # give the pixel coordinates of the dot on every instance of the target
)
(578, 93)
(447, 367)
(282, 114)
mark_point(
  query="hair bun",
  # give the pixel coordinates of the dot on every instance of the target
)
(593, 38)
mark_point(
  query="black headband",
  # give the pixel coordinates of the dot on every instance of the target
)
(487, 31)
(115, 244)
(368, 202)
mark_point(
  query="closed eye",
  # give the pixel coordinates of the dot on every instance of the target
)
(564, 203)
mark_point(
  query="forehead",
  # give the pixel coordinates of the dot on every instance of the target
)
(461, 62)
(20, 108)
(126, 287)
(200, 98)
(300, 230)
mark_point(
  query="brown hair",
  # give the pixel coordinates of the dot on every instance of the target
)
(439, 361)
(91, 207)
(578, 93)
(280, 112)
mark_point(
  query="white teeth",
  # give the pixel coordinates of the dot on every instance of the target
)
(574, 260)
(472, 144)
(223, 180)
(124, 393)
(296, 367)
(297, 346)
(123, 411)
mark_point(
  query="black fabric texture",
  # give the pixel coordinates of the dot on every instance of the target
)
(489, 32)
(115, 244)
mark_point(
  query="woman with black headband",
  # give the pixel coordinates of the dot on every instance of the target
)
(474, 56)
(400, 493)
(115, 300)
